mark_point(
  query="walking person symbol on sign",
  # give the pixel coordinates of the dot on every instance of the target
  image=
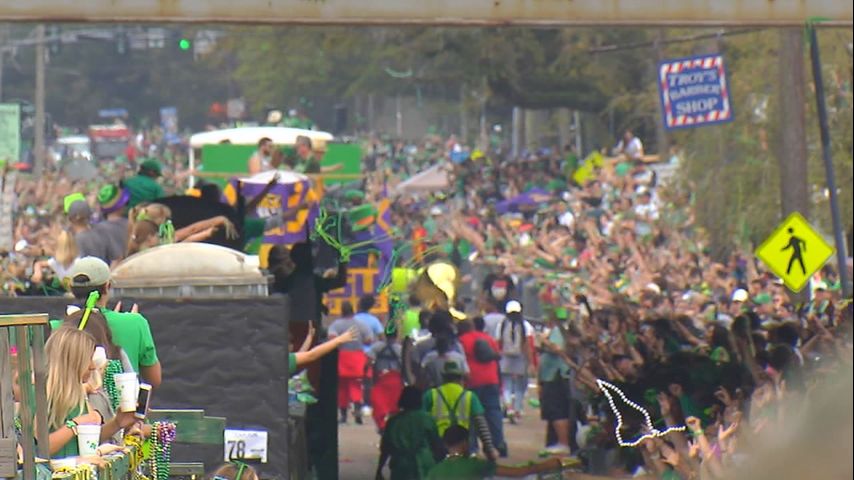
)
(794, 251)
(798, 246)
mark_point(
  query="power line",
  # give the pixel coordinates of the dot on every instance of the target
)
(682, 39)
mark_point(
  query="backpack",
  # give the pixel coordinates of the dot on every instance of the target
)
(511, 337)
(483, 351)
(387, 353)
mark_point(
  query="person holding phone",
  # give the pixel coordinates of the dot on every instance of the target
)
(70, 360)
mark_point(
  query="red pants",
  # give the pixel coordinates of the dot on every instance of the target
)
(349, 391)
(385, 395)
(351, 369)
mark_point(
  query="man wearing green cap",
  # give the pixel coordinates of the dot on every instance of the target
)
(451, 404)
(144, 187)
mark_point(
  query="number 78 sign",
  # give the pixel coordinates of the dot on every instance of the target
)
(245, 445)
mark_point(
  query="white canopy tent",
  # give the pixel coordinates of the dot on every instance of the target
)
(251, 135)
(433, 179)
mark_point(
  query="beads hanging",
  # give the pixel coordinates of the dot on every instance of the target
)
(163, 435)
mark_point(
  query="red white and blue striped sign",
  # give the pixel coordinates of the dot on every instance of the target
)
(694, 92)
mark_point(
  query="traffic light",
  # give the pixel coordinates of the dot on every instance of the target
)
(185, 44)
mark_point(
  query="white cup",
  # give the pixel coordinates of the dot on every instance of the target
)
(127, 385)
(88, 439)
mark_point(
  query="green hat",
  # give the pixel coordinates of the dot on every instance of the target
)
(112, 198)
(152, 165)
(762, 299)
(452, 369)
(354, 195)
(70, 199)
(362, 217)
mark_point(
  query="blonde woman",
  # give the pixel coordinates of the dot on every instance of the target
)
(65, 256)
(151, 225)
(70, 364)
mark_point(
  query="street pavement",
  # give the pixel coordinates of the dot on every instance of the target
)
(358, 445)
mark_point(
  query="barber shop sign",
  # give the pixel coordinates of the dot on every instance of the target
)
(694, 92)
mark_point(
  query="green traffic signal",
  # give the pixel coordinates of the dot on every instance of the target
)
(184, 44)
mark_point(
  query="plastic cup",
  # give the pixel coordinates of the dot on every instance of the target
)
(127, 385)
(88, 439)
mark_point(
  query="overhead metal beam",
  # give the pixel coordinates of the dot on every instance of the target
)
(439, 12)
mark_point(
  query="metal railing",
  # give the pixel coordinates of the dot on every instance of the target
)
(27, 331)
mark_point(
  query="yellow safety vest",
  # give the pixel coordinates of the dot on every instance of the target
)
(451, 406)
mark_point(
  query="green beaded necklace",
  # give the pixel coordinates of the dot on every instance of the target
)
(113, 367)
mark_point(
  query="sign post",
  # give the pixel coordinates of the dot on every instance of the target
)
(794, 252)
(824, 130)
(694, 92)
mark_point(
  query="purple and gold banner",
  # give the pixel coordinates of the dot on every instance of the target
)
(360, 281)
(293, 194)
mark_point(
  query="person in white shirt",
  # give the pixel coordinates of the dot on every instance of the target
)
(565, 217)
(630, 146)
(513, 336)
(645, 206)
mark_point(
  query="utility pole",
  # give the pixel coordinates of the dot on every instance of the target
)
(464, 124)
(484, 134)
(792, 153)
(661, 139)
(2, 55)
(516, 132)
(4, 36)
(398, 117)
(38, 134)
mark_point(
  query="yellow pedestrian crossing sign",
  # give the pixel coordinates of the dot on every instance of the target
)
(794, 252)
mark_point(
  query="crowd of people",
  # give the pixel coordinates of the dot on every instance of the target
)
(571, 283)
(626, 292)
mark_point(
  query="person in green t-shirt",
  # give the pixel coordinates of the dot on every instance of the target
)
(130, 331)
(143, 187)
(410, 442)
(458, 465)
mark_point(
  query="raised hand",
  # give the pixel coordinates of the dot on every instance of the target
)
(351, 335)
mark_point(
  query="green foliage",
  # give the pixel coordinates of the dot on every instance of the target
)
(732, 170)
